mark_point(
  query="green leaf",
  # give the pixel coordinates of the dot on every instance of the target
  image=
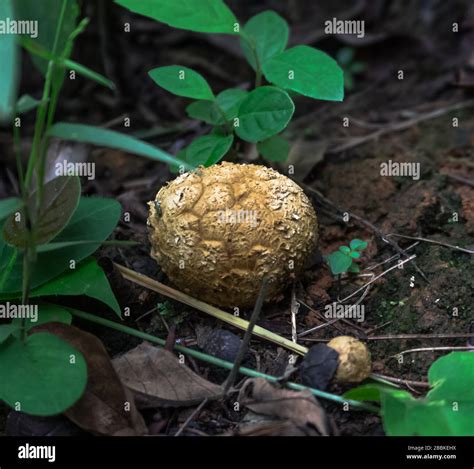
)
(206, 111)
(452, 377)
(48, 375)
(308, 71)
(8, 206)
(345, 249)
(358, 245)
(209, 149)
(6, 330)
(268, 33)
(182, 81)
(446, 410)
(111, 139)
(224, 107)
(354, 268)
(339, 262)
(354, 254)
(59, 201)
(265, 112)
(65, 63)
(86, 279)
(46, 13)
(345, 55)
(95, 218)
(366, 392)
(229, 101)
(26, 103)
(204, 16)
(10, 60)
(275, 148)
(47, 312)
(88, 73)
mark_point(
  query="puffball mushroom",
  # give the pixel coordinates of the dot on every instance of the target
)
(354, 359)
(217, 232)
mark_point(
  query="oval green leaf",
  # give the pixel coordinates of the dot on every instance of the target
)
(203, 16)
(339, 262)
(308, 71)
(229, 101)
(265, 112)
(86, 279)
(182, 81)
(274, 148)
(205, 111)
(268, 33)
(42, 376)
(358, 244)
(94, 219)
(47, 312)
(59, 201)
(208, 150)
(111, 139)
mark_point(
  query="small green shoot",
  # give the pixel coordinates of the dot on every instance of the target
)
(344, 259)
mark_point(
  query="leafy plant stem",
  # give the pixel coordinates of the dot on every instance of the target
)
(25, 290)
(43, 108)
(51, 109)
(19, 165)
(258, 71)
(217, 361)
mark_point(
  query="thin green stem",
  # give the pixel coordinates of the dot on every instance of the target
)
(25, 290)
(53, 103)
(258, 65)
(43, 108)
(217, 361)
(19, 164)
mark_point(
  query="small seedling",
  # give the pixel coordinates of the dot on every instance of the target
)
(351, 67)
(256, 116)
(343, 260)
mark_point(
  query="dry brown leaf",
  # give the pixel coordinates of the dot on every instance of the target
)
(158, 379)
(300, 408)
(107, 406)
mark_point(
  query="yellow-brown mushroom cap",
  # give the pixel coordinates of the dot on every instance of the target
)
(218, 231)
(355, 363)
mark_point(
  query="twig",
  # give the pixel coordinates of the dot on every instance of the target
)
(461, 179)
(430, 349)
(367, 224)
(293, 310)
(248, 334)
(421, 384)
(421, 336)
(397, 265)
(395, 256)
(356, 141)
(159, 287)
(217, 361)
(433, 241)
(192, 416)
